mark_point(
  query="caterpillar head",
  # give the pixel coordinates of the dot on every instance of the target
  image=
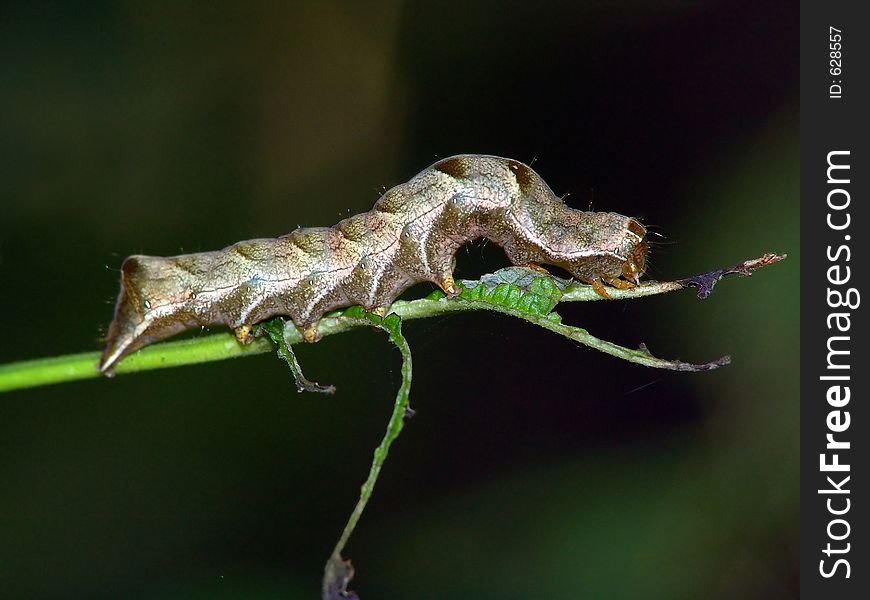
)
(636, 246)
(595, 246)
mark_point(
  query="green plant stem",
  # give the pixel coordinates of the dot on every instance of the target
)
(338, 571)
(221, 346)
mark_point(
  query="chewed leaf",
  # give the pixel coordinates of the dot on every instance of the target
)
(706, 281)
(522, 277)
(519, 288)
(275, 330)
(338, 574)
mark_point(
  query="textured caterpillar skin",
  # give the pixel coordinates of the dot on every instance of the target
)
(411, 235)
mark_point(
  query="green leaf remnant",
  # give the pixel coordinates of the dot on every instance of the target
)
(275, 329)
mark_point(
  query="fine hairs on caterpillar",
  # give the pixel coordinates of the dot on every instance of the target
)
(411, 235)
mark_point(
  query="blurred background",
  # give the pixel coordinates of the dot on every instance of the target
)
(535, 468)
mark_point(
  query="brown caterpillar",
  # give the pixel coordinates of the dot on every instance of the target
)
(411, 235)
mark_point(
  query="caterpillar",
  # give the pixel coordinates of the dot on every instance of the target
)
(411, 235)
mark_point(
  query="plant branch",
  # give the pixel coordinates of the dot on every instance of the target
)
(515, 291)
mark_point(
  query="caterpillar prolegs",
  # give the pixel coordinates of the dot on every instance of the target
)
(411, 235)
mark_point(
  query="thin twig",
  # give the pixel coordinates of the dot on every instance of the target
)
(338, 571)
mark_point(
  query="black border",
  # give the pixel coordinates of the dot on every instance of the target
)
(826, 125)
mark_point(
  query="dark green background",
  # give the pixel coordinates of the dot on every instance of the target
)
(534, 468)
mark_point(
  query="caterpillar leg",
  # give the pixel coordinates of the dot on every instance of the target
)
(538, 268)
(598, 286)
(621, 284)
(448, 285)
(310, 333)
(244, 333)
